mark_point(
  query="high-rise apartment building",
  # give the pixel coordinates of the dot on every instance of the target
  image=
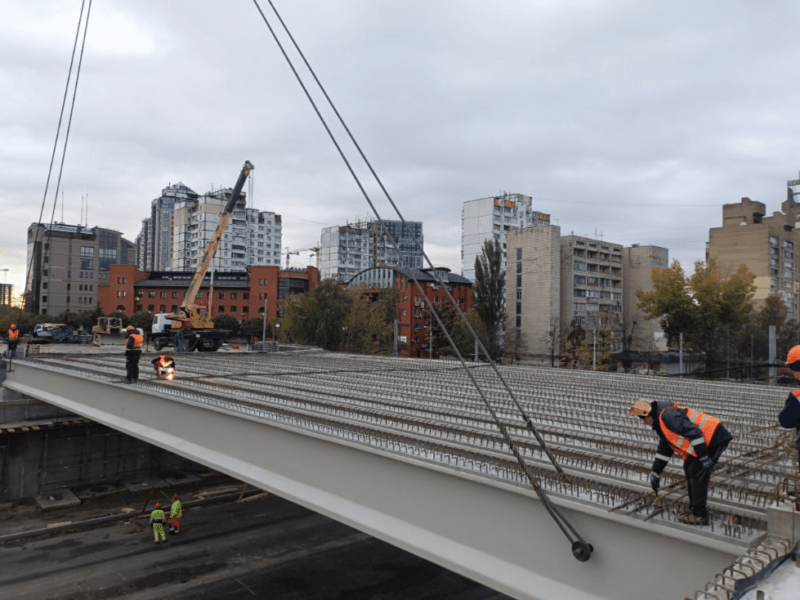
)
(490, 219)
(349, 249)
(766, 245)
(175, 235)
(68, 263)
(6, 296)
(252, 237)
(155, 241)
(554, 282)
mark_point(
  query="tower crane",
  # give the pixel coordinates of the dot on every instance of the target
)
(314, 250)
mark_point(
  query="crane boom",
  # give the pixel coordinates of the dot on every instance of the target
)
(186, 309)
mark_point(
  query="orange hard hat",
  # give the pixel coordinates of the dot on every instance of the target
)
(793, 359)
(158, 504)
(13, 326)
(129, 328)
(641, 408)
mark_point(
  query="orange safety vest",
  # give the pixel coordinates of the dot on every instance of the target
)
(13, 335)
(682, 445)
(138, 340)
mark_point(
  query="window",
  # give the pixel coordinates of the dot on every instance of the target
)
(246, 295)
(222, 295)
(44, 285)
(163, 294)
(519, 253)
(579, 293)
(44, 298)
(519, 296)
(150, 308)
(579, 307)
(579, 279)
(87, 263)
(519, 321)
(87, 251)
(233, 295)
(233, 309)
(245, 309)
(519, 308)
(199, 295)
(162, 308)
(222, 309)
(151, 294)
(519, 280)
(519, 267)
(174, 294)
(579, 265)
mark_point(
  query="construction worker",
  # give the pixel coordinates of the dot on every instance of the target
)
(790, 413)
(157, 519)
(133, 352)
(13, 339)
(175, 514)
(699, 439)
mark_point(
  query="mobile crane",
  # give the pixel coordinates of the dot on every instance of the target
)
(189, 328)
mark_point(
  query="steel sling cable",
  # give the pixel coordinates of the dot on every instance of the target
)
(29, 272)
(580, 548)
(526, 418)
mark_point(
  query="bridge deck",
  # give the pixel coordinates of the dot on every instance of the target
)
(428, 412)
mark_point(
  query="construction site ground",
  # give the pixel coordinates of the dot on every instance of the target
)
(260, 547)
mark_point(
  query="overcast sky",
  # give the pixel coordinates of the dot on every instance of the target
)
(634, 121)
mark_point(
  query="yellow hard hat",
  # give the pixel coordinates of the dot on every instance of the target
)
(641, 408)
(793, 357)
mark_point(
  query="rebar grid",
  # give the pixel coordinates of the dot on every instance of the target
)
(429, 410)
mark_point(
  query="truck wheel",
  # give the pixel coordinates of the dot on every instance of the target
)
(158, 344)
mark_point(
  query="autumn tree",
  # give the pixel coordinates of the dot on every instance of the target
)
(488, 294)
(449, 317)
(515, 343)
(706, 307)
(369, 324)
(318, 317)
(576, 349)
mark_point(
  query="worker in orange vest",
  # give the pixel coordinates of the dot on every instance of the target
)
(789, 416)
(699, 439)
(133, 352)
(13, 339)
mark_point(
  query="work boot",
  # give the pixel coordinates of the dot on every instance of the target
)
(693, 519)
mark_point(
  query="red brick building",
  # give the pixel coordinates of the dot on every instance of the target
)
(413, 327)
(240, 294)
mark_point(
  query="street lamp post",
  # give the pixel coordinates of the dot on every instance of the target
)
(264, 329)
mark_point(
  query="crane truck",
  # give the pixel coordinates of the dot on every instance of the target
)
(189, 328)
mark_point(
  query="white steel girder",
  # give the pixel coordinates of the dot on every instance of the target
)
(495, 533)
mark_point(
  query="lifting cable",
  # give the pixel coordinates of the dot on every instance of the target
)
(580, 548)
(29, 272)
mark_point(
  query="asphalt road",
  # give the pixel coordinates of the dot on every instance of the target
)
(266, 548)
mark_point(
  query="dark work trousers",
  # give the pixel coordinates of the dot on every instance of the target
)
(697, 479)
(132, 364)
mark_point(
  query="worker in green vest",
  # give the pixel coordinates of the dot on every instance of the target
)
(175, 514)
(157, 518)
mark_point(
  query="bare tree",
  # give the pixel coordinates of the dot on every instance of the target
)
(552, 338)
(515, 345)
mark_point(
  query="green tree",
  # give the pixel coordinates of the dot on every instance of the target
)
(707, 307)
(449, 317)
(463, 339)
(228, 323)
(254, 328)
(317, 318)
(369, 324)
(142, 320)
(576, 350)
(488, 294)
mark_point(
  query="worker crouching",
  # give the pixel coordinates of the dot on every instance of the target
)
(699, 439)
(175, 514)
(157, 519)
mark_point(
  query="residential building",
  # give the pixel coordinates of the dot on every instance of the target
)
(414, 321)
(349, 249)
(175, 236)
(490, 219)
(533, 287)
(252, 237)
(6, 296)
(241, 294)
(638, 263)
(555, 282)
(68, 263)
(767, 245)
(155, 241)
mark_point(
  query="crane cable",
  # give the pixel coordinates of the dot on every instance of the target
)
(580, 548)
(29, 272)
